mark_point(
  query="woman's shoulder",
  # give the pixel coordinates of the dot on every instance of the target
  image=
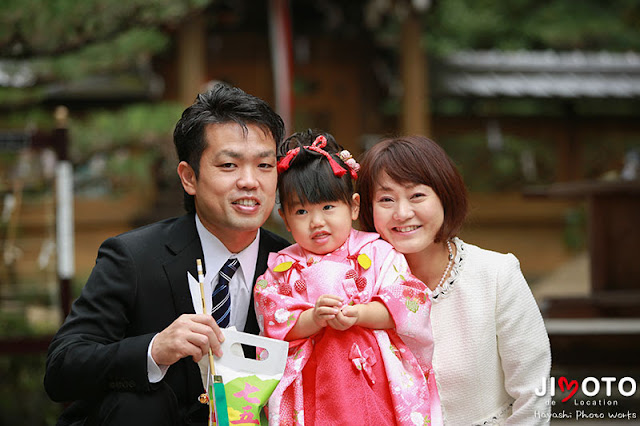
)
(481, 256)
(475, 268)
(481, 264)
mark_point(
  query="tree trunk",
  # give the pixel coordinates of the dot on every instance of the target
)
(415, 102)
(191, 58)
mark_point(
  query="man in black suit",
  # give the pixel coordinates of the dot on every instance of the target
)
(127, 353)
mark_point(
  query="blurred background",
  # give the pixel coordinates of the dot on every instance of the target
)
(537, 102)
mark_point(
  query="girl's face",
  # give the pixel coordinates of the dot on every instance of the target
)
(408, 217)
(323, 227)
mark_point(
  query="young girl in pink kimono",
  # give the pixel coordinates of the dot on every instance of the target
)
(345, 302)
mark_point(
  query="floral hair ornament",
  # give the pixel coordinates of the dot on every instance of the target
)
(317, 146)
(348, 159)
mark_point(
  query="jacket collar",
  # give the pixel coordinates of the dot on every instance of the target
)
(184, 243)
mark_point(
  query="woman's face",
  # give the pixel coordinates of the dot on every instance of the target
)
(407, 216)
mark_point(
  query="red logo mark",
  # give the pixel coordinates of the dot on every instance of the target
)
(571, 386)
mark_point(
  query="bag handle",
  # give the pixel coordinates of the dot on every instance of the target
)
(276, 349)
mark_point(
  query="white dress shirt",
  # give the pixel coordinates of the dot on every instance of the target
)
(240, 285)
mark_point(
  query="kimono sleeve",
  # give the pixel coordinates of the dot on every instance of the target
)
(278, 306)
(406, 298)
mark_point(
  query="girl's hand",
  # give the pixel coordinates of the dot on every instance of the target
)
(326, 308)
(346, 318)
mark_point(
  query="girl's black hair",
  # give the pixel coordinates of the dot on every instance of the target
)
(309, 178)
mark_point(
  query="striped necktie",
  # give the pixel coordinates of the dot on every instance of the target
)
(221, 301)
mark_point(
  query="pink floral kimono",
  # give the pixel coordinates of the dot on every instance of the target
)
(360, 375)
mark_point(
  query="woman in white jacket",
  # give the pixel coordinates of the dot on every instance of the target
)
(491, 347)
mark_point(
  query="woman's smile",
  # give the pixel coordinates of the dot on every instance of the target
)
(405, 229)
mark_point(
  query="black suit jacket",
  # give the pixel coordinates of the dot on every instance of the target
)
(136, 289)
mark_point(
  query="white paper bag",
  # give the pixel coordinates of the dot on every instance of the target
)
(248, 382)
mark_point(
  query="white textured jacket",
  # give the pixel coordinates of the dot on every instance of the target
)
(491, 346)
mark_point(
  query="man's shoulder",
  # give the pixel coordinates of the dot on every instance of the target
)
(160, 231)
(271, 241)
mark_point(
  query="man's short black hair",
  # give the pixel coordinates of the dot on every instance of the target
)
(222, 104)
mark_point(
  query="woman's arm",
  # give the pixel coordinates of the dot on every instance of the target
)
(523, 344)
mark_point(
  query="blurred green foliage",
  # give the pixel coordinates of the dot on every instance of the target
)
(134, 142)
(116, 54)
(601, 159)
(39, 28)
(530, 24)
(130, 141)
(23, 401)
(141, 125)
(575, 232)
(45, 42)
(64, 40)
(503, 168)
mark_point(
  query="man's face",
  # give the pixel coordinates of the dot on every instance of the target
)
(236, 188)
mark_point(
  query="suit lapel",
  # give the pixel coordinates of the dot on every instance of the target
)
(184, 243)
(263, 254)
(267, 245)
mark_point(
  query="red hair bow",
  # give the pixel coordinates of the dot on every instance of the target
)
(317, 146)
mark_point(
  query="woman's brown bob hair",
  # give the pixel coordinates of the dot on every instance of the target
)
(410, 160)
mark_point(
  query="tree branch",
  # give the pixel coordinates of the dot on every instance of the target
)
(17, 45)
